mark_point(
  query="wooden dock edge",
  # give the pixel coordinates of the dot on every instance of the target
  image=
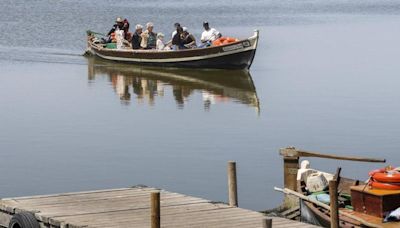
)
(6, 212)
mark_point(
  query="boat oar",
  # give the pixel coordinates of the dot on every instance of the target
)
(301, 196)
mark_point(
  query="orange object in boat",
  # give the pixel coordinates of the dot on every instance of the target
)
(385, 175)
(381, 170)
(386, 186)
(390, 177)
(217, 42)
(224, 40)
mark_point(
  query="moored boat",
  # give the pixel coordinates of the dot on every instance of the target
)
(359, 204)
(349, 216)
(235, 55)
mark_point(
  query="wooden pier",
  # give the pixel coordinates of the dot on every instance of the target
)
(131, 207)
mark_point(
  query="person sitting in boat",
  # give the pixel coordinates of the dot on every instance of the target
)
(176, 26)
(188, 40)
(120, 24)
(209, 35)
(149, 37)
(160, 43)
(177, 42)
(136, 37)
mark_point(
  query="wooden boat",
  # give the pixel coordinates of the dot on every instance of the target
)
(236, 85)
(321, 216)
(236, 55)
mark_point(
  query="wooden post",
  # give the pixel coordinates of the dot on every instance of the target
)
(155, 209)
(333, 193)
(267, 223)
(290, 168)
(232, 184)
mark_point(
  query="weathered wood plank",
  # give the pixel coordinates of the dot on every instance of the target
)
(130, 207)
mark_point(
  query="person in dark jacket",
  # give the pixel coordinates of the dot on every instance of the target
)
(136, 37)
(188, 40)
(120, 24)
(177, 42)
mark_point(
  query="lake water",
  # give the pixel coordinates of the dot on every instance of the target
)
(326, 78)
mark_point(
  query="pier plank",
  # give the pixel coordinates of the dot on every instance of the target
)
(130, 207)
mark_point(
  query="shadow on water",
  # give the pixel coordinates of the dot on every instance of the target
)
(146, 83)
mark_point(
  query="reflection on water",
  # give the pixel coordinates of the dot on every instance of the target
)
(145, 84)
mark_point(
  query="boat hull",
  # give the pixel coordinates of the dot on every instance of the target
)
(238, 55)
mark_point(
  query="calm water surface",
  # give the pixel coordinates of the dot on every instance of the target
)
(325, 78)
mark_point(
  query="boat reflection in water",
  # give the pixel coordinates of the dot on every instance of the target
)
(147, 83)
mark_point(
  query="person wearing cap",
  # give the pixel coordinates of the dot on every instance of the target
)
(149, 38)
(209, 35)
(188, 39)
(136, 37)
(120, 24)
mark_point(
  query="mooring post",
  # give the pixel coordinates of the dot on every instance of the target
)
(155, 209)
(267, 223)
(290, 168)
(232, 184)
(333, 195)
(334, 204)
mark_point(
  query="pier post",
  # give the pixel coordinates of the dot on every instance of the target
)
(155, 209)
(290, 168)
(232, 184)
(267, 223)
(333, 195)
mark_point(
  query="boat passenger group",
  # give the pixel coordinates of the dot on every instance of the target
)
(181, 38)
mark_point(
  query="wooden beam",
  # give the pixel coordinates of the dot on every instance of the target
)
(302, 153)
(295, 153)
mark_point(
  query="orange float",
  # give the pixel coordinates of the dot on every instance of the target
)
(386, 186)
(385, 175)
(224, 40)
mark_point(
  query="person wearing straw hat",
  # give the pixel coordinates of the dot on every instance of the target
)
(120, 24)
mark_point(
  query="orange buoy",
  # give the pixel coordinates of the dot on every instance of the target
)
(231, 40)
(224, 41)
(371, 173)
(385, 186)
(385, 175)
(216, 42)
